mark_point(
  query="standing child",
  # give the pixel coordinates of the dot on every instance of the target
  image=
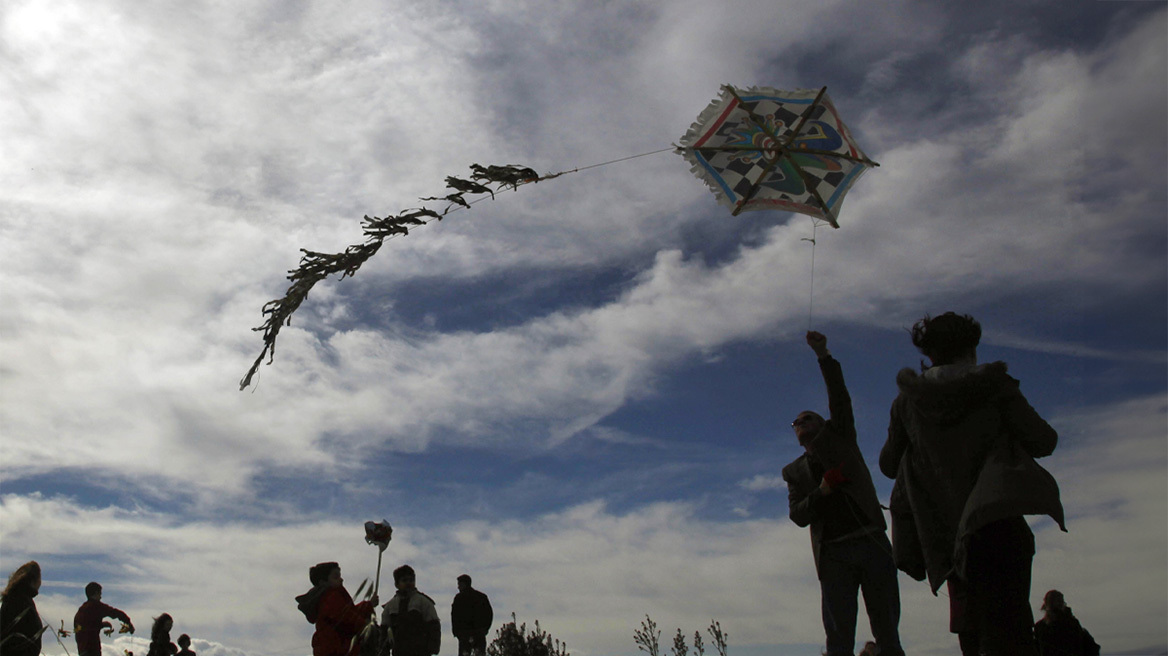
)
(160, 644)
(184, 645)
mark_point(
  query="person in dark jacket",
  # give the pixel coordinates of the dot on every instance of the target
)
(20, 623)
(470, 618)
(411, 617)
(160, 644)
(1059, 632)
(87, 622)
(330, 607)
(957, 435)
(829, 488)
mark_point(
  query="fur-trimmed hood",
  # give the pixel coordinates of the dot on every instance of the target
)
(948, 393)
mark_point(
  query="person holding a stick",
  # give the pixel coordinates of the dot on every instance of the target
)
(338, 620)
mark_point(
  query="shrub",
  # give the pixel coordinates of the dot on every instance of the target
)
(512, 640)
(648, 639)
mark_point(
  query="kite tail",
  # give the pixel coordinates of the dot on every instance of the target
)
(315, 266)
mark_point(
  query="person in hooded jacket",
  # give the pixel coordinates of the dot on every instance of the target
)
(20, 623)
(962, 516)
(330, 607)
(1059, 632)
(829, 488)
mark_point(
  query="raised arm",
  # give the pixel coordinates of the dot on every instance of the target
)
(839, 402)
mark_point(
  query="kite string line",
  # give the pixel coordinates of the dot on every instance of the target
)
(622, 159)
(811, 287)
(549, 176)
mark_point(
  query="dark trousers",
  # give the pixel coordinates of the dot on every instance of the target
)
(476, 645)
(861, 564)
(989, 609)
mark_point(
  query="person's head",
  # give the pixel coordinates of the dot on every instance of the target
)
(948, 338)
(404, 578)
(322, 573)
(26, 579)
(463, 582)
(184, 641)
(162, 626)
(1053, 603)
(869, 649)
(93, 591)
(807, 425)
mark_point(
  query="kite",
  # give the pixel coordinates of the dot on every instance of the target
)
(757, 148)
(765, 149)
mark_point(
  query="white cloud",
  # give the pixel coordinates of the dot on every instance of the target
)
(129, 348)
(764, 482)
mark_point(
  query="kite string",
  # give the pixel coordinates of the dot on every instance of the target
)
(622, 159)
(811, 287)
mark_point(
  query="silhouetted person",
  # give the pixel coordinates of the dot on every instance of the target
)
(184, 645)
(411, 616)
(869, 649)
(957, 432)
(20, 623)
(160, 644)
(470, 618)
(1059, 633)
(330, 607)
(829, 488)
(87, 622)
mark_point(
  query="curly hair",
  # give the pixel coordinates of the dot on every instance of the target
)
(946, 338)
(22, 579)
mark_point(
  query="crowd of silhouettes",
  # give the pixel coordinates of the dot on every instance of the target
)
(22, 629)
(409, 623)
(962, 440)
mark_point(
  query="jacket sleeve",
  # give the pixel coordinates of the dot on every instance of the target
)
(1023, 424)
(896, 444)
(839, 402)
(118, 614)
(433, 627)
(456, 613)
(1090, 647)
(802, 506)
(488, 616)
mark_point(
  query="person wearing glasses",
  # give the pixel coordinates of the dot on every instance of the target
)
(829, 488)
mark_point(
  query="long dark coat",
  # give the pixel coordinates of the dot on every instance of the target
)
(20, 625)
(835, 444)
(961, 443)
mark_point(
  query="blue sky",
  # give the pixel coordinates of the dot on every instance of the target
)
(578, 392)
